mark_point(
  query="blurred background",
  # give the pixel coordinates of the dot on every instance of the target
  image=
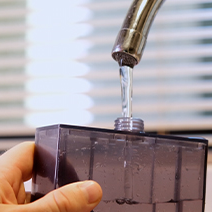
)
(56, 67)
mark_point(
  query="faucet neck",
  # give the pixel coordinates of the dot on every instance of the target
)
(131, 40)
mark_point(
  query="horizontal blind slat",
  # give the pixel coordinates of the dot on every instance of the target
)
(172, 53)
(13, 29)
(162, 88)
(166, 35)
(190, 70)
(13, 62)
(13, 13)
(13, 45)
(113, 5)
(157, 106)
(195, 15)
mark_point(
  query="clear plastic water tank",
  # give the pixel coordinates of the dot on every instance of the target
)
(138, 172)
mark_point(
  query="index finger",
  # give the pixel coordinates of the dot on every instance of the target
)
(19, 158)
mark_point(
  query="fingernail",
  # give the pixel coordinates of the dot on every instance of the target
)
(92, 191)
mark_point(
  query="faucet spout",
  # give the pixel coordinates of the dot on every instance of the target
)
(131, 40)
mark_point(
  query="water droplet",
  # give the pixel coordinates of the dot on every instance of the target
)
(83, 148)
(107, 201)
(120, 201)
(97, 165)
(130, 202)
(177, 177)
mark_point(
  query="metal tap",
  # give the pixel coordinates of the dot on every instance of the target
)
(131, 40)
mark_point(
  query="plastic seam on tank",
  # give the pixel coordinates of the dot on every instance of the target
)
(178, 174)
(91, 165)
(152, 175)
(57, 159)
(205, 174)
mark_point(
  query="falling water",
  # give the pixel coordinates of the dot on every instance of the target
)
(126, 78)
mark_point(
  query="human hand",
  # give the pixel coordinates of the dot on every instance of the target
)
(16, 167)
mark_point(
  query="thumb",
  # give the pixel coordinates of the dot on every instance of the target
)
(75, 197)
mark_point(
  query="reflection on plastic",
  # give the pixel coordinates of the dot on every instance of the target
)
(137, 171)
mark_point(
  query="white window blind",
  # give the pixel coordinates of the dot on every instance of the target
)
(56, 65)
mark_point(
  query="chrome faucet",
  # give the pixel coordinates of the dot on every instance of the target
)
(131, 40)
(128, 50)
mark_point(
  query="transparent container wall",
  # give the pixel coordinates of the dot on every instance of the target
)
(137, 171)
